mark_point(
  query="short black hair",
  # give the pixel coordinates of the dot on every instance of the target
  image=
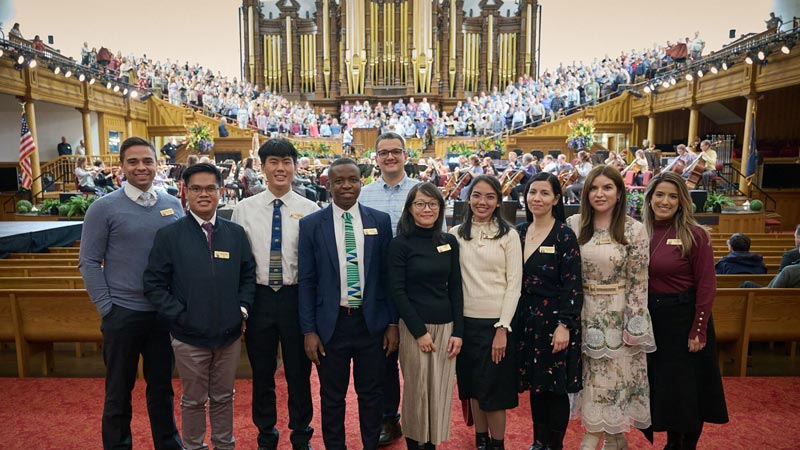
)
(132, 142)
(406, 224)
(280, 147)
(201, 168)
(342, 162)
(739, 242)
(390, 135)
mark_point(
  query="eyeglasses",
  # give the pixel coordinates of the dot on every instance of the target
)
(207, 189)
(421, 205)
(396, 152)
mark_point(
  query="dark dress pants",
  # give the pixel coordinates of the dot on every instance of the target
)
(391, 388)
(126, 335)
(351, 341)
(273, 319)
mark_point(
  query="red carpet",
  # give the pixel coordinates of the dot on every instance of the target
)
(64, 413)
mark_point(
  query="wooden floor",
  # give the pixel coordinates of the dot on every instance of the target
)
(763, 362)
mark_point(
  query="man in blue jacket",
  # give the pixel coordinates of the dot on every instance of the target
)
(201, 276)
(740, 260)
(345, 312)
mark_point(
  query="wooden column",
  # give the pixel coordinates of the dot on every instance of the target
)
(651, 128)
(128, 127)
(694, 119)
(36, 170)
(748, 125)
(87, 133)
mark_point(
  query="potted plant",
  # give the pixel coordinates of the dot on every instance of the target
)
(635, 203)
(581, 134)
(78, 205)
(200, 138)
(715, 202)
(49, 206)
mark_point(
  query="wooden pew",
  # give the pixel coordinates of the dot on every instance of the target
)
(788, 243)
(41, 283)
(70, 250)
(762, 315)
(37, 262)
(41, 317)
(719, 253)
(734, 281)
(752, 236)
(43, 271)
(27, 256)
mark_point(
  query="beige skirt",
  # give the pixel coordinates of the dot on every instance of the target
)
(427, 385)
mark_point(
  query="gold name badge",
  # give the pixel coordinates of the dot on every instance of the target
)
(674, 242)
(222, 255)
(167, 212)
(604, 241)
(443, 248)
(370, 231)
(549, 249)
(296, 215)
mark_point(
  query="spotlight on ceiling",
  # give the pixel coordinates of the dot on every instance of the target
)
(116, 88)
(647, 89)
(134, 94)
(108, 85)
(20, 59)
(725, 65)
(82, 78)
(700, 73)
(673, 81)
(1, 52)
(91, 80)
(787, 47)
(68, 73)
(665, 84)
(689, 77)
(749, 58)
(57, 70)
(32, 64)
(714, 69)
(125, 91)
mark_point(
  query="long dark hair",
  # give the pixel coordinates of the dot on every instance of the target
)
(619, 215)
(558, 209)
(405, 226)
(465, 230)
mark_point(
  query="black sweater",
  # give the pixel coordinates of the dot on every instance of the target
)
(199, 290)
(425, 281)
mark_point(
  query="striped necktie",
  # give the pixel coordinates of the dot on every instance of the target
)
(275, 266)
(353, 281)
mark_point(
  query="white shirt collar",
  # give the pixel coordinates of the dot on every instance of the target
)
(388, 186)
(354, 211)
(133, 193)
(200, 221)
(269, 197)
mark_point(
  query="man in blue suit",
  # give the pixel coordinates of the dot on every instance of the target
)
(345, 311)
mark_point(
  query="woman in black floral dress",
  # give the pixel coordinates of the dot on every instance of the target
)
(548, 316)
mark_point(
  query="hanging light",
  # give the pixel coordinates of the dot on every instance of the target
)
(108, 85)
(714, 70)
(32, 64)
(91, 80)
(68, 73)
(673, 81)
(125, 91)
(116, 88)
(82, 78)
(57, 70)
(749, 58)
(665, 84)
(725, 65)
(689, 77)
(20, 60)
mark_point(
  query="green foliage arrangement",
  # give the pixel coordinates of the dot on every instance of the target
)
(200, 138)
(24, 207)
(581, 135)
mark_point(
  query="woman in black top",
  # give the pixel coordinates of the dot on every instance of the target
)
(548, 323)
(425, 284)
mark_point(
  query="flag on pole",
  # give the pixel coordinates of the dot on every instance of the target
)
(752, 160)
(26, 149)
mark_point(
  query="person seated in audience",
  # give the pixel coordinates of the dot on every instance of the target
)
(252, 180)
(105, 177)
(789, 277)
(85, 175)
(792, 256)
(641, 161)
(740, 260)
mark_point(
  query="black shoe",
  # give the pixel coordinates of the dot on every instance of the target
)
(482, 441)
(305, 446)
(555, 440)
(540, 435)
(390, 430)
(497, 444)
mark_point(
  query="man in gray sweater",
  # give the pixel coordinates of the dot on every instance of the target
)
(117, 236)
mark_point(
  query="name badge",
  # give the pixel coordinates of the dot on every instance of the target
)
(221, 255)
(370, 231)
(167, 212)
(296, 215)
(604, 241)
(674, 242)
(443, 248)
(550, 249)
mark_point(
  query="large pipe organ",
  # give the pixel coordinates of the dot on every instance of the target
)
(375, 49)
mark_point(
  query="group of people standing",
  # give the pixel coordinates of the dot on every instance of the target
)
(601, 306)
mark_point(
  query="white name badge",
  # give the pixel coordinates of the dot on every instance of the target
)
(370, 231)
(443, 248)
(296, 215)
(549, 249)
(674, 242)
(222, 255)
(167, 212)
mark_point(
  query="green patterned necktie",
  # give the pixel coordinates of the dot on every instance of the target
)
(353, 281)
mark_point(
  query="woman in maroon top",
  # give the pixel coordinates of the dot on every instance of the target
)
(685, 383)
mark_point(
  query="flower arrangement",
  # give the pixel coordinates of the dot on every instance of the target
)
(200, 138)
(581, 135)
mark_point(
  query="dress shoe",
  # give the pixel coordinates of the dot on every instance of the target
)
(482, 441)
(305, 446)
(590, 440)
(615, 442)
(389, 432)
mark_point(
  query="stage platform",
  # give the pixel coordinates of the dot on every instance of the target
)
(33, 237)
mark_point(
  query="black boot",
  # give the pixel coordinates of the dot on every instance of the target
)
(429, 446)
(412, 444)
(690, 440)
(674, 441)
(540, 436)
(498, 444)
(555, 440)
(482, 441)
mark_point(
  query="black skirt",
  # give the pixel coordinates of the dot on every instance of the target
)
(685, 388)
(493, 385)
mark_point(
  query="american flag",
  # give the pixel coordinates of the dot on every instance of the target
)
(26, 148)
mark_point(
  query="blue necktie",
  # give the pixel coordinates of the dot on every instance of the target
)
(275, 265)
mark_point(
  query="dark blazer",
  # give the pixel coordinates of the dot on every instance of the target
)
(789, 258)
(201, 291)
(319, 279)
